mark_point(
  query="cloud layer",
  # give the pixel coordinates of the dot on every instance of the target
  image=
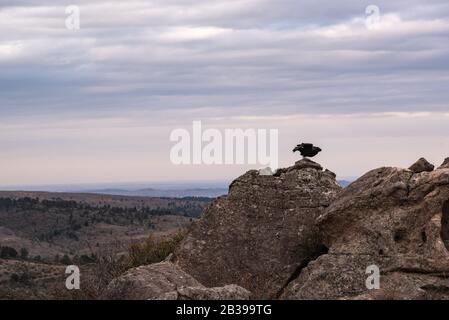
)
(164, 63)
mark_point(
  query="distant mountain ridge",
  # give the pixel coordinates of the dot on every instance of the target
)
(176, 193)
(344, 183)
(168, 189)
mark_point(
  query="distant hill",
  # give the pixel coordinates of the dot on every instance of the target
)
(169, 189)
(50, 224)
(175, 193)
(344, 183)
(101, 199)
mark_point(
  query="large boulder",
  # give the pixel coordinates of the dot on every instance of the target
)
(149, 282)
(445, 164)
(229, 292)
(392, 218)
(422, 165)
(165, 281)
(263, 232)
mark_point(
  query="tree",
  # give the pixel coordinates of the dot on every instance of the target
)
(66, 260)
(85, 259)
(24, 253)
(8, 252)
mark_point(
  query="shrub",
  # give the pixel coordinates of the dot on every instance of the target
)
(152, 251)
(24, 253)
(85, 259)
(8, 252)
(66, 260)
(23, 278)
(108, 266)
(15, 277)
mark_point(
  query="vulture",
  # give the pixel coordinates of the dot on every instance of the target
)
(307, 149)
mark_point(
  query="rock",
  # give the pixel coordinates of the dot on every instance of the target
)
(229, 292)
(165, 281)
(266, 172)
(306, 163)
(332, 174)
(392, 218)
(298, 235)
(262, 232)
(445, 164)
(422, 165)
(149, 282)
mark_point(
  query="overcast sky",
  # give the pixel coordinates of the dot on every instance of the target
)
(98, 104)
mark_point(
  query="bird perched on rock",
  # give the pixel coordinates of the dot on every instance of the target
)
(307, 149)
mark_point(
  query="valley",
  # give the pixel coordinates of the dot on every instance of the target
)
(42, 232)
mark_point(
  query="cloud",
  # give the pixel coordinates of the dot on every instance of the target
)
(229, 54)
(136, 148)
(176, 61)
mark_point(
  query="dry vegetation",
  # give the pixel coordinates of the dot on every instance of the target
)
(109, 266)
(40, 237)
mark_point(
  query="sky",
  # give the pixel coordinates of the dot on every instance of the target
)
(98, 104)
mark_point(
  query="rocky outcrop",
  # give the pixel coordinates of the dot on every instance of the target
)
(262, 233)
(445, 164)
(229, 292)
(395, 219)
(149, 282)
(422, 165)
(165, 281)
(296, 234)
(266, 172)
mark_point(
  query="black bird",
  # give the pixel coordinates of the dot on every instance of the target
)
(307, 149)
